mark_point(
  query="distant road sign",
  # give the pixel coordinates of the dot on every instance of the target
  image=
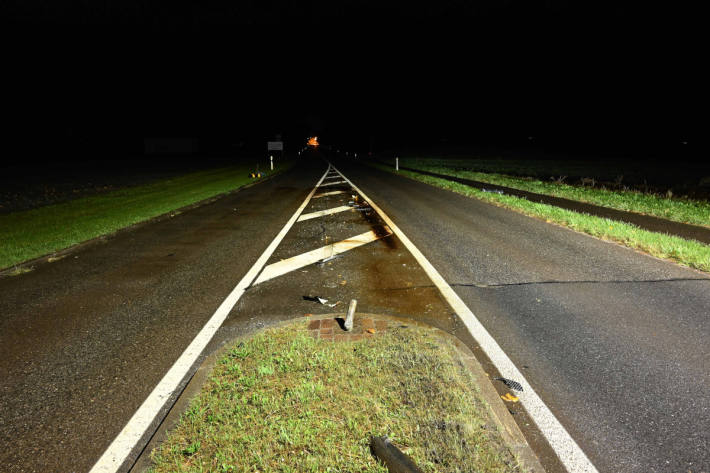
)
(275, 145)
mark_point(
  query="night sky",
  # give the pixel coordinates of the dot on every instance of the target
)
(94, 79)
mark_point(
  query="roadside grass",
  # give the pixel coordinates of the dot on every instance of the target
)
(686, 252)
(44, 230)
(634, 172)
(677, 209)
(285, 402)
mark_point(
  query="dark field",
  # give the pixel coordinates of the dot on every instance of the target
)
(27, 186)
(682, 173)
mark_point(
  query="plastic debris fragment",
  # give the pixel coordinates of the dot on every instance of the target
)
(510, 383)
(510, 398)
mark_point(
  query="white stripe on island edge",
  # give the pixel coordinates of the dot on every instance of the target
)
(322, 213)
(324, 194)
(124, 443)
(571, 455)
(304, 259)
(333, 183)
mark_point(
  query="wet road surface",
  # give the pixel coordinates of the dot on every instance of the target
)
(646, 222)
(84, 340)
(615, 342)
(612, 340)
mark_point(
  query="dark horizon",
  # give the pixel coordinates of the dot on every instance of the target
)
(96, 80)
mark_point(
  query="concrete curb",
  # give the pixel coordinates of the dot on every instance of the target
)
(507, 427)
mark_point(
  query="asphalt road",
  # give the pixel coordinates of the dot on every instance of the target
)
(614, 341)
(83, 341)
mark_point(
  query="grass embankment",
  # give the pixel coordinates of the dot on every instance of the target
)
(676, 209)
(285, 402)
(687, 252)
(37, 232)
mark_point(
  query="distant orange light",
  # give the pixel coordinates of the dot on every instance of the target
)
(313, 141)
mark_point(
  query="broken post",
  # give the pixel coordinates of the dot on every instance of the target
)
(392, 457)
(350, 318)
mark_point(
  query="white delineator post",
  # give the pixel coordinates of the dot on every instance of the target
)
(396, 164)
(350, 318)
(271, 160)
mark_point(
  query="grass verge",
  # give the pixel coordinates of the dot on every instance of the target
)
(37, 232)
(285, 402)
(677, 209)
(686, 252)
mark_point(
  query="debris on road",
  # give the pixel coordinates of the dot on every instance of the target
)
(510, 383)
(350, 317)
(329, 258)
(320, 300)
(392, 457)
(510, 398)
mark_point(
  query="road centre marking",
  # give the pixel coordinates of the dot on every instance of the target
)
(333, 183)
(571, 455)
(324, 194)
(322, 213)
(291, 264)
(118, 452)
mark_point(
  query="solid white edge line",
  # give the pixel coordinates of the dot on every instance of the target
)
(124, 443)
(569, 452)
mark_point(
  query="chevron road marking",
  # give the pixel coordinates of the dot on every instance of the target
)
(130, 436)
(291, 264)
(322, 213)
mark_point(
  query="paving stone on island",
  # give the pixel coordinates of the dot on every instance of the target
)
(331, 329)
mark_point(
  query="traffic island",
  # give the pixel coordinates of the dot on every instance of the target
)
(308, 396)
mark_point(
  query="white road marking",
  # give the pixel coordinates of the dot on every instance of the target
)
(333, 183)
(291, 264)
(571, 455)
(324, 194)
(122, 446)
(322, 213)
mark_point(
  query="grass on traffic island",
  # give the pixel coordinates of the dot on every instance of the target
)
(690, 253)
(33, 233)
(286, 401)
